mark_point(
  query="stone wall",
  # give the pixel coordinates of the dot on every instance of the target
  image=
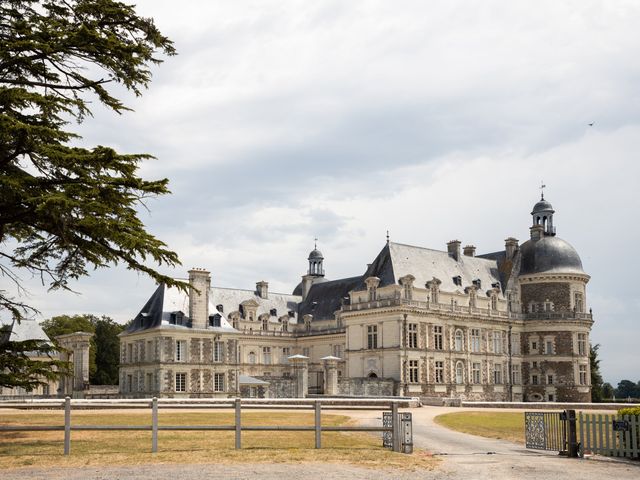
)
(558, 293)
(367, 387)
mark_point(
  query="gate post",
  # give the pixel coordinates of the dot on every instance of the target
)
(572, 431)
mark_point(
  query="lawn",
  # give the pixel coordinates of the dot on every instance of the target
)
(501, 425)
(95, 448)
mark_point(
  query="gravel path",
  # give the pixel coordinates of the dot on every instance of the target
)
(465, 457)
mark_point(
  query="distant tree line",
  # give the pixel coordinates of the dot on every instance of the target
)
(626, 389)
(104, 351)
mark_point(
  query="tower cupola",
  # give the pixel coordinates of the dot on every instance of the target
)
(315, 262)
(542, 214)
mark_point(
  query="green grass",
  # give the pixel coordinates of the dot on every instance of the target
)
(501, 425)
(95, 448)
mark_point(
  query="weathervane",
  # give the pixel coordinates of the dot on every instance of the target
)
(387, 237)
(315, 243)
(542, 187)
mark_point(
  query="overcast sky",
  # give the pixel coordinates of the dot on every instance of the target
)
(282, 121)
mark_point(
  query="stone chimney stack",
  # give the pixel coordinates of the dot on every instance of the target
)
(453, 247)
(537, 232)
(307, 281)
(469, 251)
(200, 282)
(510, 247)
(262, 289)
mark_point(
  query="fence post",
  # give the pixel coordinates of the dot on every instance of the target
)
(67, 425)
(572, 430)
(318, 423)
(238, 425)
(154, 425)
(395, 424)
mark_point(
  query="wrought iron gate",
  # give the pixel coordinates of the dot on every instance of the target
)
(546, 431)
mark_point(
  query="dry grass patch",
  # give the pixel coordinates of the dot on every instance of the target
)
(95, 448)
(501, 425)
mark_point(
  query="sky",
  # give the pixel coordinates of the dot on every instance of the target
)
(282, 121)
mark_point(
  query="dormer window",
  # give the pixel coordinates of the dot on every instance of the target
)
(477, 283)
(220, 308)
(215, 320)
(273, 312)
(176, 318)
(265, 324)
(457, 280)
(291, 314)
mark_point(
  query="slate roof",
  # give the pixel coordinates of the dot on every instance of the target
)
(27, 329)
(167, 300)
(325, 298)
(397, 260)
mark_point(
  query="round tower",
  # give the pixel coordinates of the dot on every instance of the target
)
(556, 324)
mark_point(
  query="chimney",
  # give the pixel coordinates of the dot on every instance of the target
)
(307, 281)
(510, 247)
(262, 289)
(537, 232)
(469, 251)
(200, 282)
(453, 247)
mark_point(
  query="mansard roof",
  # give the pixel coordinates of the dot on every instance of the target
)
(397, 260)
(325, 298)
(166, 301)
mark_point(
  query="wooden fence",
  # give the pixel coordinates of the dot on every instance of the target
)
(611, 435)
(237, 404)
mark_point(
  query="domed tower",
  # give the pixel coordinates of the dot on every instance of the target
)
(556, 326)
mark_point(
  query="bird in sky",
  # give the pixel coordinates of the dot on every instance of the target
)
(591, 124)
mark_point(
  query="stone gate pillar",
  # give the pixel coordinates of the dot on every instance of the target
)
(331, 374)
(77, 346)
(301, 367)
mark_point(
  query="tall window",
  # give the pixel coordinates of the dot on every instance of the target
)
(582, 374)
(497, 373)
(475, 339)
(494, 302)
(459, 373)
(412, 335)
(548, 347)
(459, 340)
(252, 358)
(582, 344)
(265, 324)
(337, 351)
(413, 371)
(515, 344)
(534, 379)
(439, 372)
(549, 379)
(285, 325)
(372, 336)
(215, 320)
(181, 350)
(130, 352)
(515, 374)
(372, 293)
(149, 353)
(218, 351)
(286, 353)
(437, 337)
(218, 382)
(266, 355)
(578, 302)
(497, 342)
(150, 382)
(181, 382)
(475, 372)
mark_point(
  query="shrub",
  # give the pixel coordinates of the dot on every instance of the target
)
(629, 411)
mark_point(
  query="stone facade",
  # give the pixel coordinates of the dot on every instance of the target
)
(506, 326)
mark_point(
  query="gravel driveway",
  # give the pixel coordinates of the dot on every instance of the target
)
(465, 457)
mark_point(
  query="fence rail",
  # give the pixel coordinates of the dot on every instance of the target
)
(237, 404)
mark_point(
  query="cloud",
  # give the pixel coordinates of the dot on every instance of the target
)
(282, 121)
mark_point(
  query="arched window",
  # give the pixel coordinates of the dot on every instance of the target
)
(373, 375)
(252, 358)
(459, 340)
(459, 373)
